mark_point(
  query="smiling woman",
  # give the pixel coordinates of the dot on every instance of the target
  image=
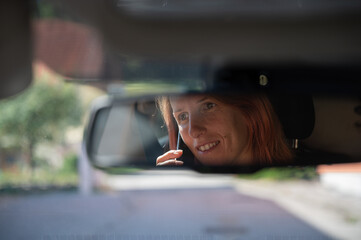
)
(224, 130)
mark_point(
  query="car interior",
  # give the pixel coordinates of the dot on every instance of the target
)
(304, 78)
(303, 56)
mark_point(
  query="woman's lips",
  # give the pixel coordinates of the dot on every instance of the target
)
(207, 146)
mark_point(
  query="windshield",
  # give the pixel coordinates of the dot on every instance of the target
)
(89, 102)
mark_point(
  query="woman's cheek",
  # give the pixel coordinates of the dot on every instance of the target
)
(184, 135)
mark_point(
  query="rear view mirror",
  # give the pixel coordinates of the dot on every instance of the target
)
(120, 135)
(292, 130)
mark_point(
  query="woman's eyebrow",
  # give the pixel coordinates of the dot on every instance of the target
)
(203, 99)
(178, 110)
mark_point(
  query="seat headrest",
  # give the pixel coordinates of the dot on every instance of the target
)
(296, 113)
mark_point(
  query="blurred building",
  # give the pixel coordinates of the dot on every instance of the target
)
(345, 178)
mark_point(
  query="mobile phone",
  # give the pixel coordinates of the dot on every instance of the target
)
(178, 140)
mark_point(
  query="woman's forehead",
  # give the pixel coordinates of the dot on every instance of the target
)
(178, 101)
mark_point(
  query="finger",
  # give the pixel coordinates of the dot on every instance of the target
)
(172, 154)
(171, 162)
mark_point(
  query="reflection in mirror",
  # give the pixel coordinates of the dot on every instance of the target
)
(225, 130)
(121, 136)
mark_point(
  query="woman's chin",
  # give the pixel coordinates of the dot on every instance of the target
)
(213, 160)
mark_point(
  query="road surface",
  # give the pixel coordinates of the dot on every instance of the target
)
(213, 211)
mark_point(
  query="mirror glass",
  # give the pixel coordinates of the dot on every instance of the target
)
(208, 130)
(122, 135)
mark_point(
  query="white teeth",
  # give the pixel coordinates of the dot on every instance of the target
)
(207, 146)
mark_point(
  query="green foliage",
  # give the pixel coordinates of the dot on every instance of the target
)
(41, 113)
(40, 177)
(41, 162)
(286, 173)
(45, 10)
(70, 164)
(122, 170)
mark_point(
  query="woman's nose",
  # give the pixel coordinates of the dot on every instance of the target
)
(196, 127)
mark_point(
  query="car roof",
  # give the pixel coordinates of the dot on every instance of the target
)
(298, 32)
(321, 32)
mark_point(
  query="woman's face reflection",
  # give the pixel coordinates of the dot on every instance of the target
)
(215, 132)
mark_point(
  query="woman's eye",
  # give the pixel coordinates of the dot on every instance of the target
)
(208, 106)
(182, 117)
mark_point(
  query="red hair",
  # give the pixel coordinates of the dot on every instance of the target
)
(266, 143)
